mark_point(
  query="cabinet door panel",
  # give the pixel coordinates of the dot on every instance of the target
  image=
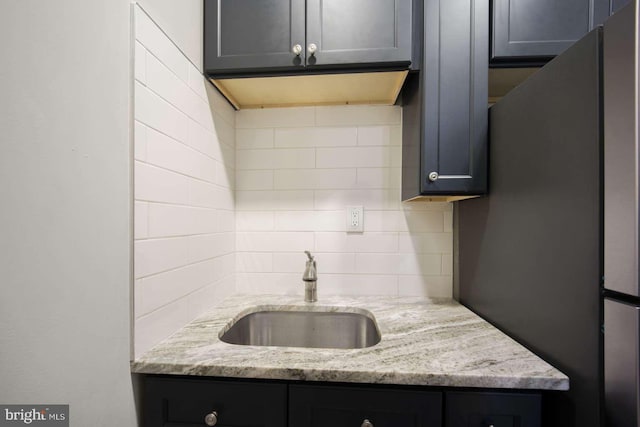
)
(185, 402)
(359, 31)
(346, 406)
(477, 409)
(542, 28)
(452, 104)
(253, 34)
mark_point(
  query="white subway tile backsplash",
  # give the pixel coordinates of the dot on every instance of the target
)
(156, 255)
(314, 179)
(157, 113)
(139, 141)
(173, 155)
(270, 283)
(358, 115)
(274, 241)
(310, 221)
(294, 158)
(420, 264)
(205, 246)
(276, 117)
(379, 135)
(184, 229)
(140, 63)
(357, 157)
(383, 199)
(255, 220)
(315, 137)
(164, 288)
(203, 140)
(141, 220)
(154, 40)
(154, 184)
(426, 243)
(426, 221)
(356, 242)
(328, 263)
(448, 221)
(172, 220)
(378, 178)
(358, 284)
(378, 263)
(425, 286)
(254, 180)
(253, 139)
(274, 200)
(254, 262)
(197, 82)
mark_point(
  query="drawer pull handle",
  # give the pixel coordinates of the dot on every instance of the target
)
(366, 423)
(211, 419)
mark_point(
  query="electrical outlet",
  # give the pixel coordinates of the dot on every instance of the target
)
(355, 219)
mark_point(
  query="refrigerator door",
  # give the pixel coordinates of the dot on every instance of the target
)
(621, 364)
(621, 192)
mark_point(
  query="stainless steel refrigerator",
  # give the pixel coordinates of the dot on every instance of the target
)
(550, 256)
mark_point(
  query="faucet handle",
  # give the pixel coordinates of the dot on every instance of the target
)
(309, 255)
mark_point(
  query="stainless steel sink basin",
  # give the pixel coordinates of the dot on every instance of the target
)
(312, 329)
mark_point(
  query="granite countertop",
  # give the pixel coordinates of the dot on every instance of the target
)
(435, 342)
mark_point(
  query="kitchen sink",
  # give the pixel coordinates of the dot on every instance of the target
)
(303, 328)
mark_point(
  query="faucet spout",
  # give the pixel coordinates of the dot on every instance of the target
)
(310, 279)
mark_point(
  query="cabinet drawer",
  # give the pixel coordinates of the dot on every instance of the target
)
(492, 409)
(346, 406)
(180, 402)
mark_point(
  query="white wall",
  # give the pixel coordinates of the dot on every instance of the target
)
(297, 170)
(65, 216)
(184, 183)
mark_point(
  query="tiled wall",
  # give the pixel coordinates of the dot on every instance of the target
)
(183, 179)
(296, 171)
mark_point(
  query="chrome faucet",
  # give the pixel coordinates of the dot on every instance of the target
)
(310, 279)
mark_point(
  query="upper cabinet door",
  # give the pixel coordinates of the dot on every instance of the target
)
(529, 29)
(253, 34)
(359, 32)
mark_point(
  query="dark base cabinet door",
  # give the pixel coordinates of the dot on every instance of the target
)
(345, 406)
(492, 409)
(180, 402)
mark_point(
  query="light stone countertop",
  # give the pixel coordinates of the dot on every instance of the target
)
(434, 342)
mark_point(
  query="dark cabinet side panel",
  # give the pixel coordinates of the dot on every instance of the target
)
(320, 406)
(186, 402)
(253, 34)
(529, 254)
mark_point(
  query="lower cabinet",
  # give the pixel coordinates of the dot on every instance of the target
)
(346, 406)
(465, 409)
(180, 402)
(173, 401)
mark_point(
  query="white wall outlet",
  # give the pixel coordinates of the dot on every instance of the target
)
(355, 219)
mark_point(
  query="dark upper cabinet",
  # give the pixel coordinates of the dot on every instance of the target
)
(533, 31)
(263, 36)
(247, 34)
(445, 110)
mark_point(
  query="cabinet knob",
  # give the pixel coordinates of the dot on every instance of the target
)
(312, 48)
(211, 419)
(366, 423)
(433, 176)
(296, 49)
